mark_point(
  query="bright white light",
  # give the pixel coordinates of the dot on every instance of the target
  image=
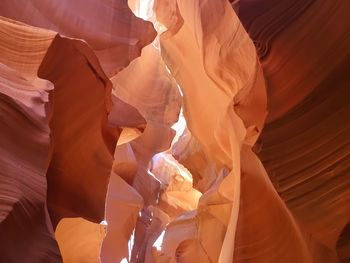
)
(179, 127)
(131, 244)
(180, 90)
(159, 241)
(104, 223)
(143, 9)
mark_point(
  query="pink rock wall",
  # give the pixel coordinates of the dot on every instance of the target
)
(216, 131)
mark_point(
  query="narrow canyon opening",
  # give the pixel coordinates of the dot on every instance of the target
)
(174, 131)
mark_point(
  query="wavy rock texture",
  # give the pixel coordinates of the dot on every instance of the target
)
(275, 28)
(305, 145)
(155, 95)
(97, 165)
(25, 146)
(177, 194)
(189, 152)
(116, 36)
(229, 73)
(24, 222)
(247, 229)
(81, 153)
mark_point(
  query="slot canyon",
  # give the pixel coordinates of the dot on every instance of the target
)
(164, 131)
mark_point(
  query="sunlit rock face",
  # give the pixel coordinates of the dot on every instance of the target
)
(174, 131)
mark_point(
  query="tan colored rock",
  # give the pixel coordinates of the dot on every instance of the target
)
(79, 240)
(177, 195)
(155, 95)
(206, 75)
(189, 152)
(106, 144)
(123, 205)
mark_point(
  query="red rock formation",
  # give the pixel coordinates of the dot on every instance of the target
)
(25, 143)
(303, 48)
(79, 131)
(82, 145)
(25, 146)
(89, 131)
(109, 27)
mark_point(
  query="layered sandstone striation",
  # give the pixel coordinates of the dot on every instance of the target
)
(174, 131)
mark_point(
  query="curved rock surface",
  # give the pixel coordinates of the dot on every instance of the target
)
(216, 131)
(73, 123)
(304, 146)
(77, 112)
(25, 147)
(117, 36)
(77, 234)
